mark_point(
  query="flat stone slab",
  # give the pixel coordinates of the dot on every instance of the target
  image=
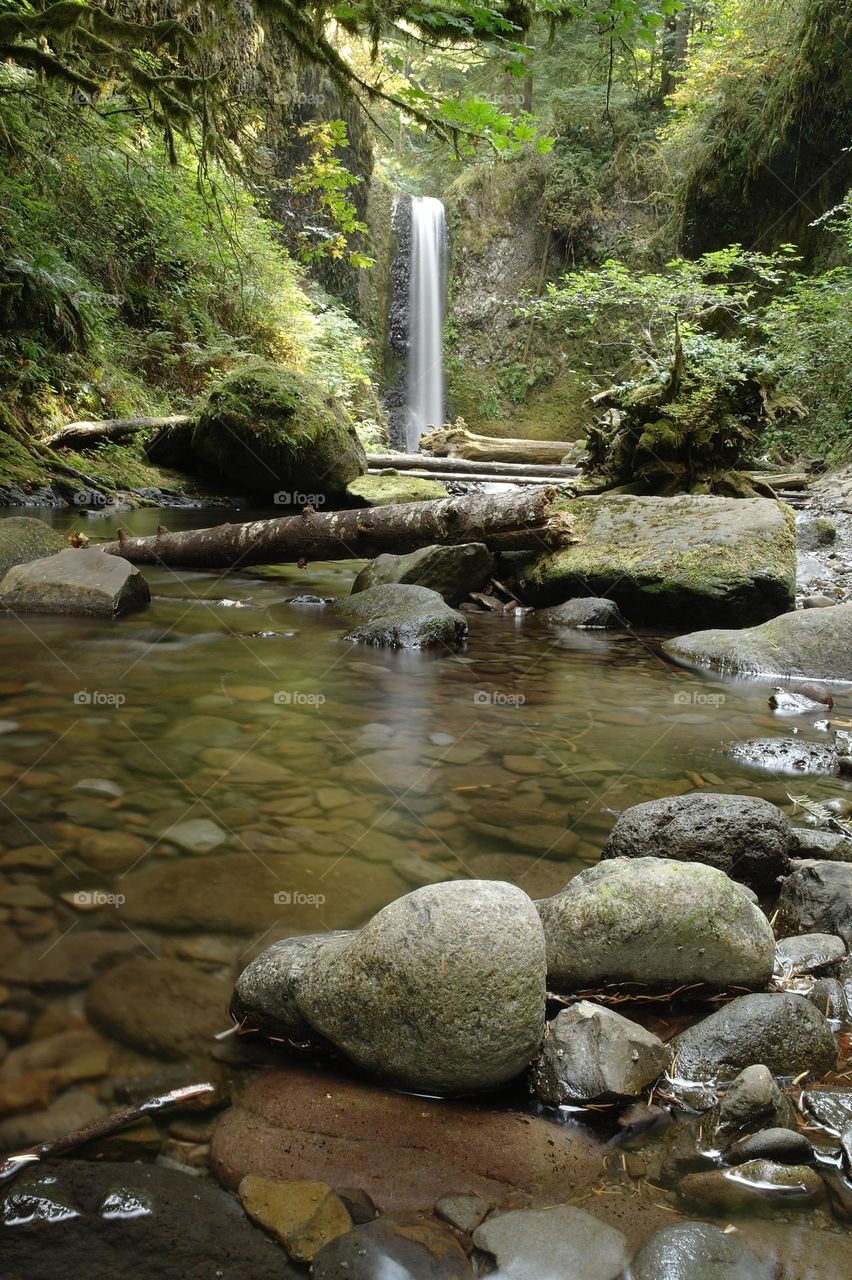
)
(79, 581)
(663, 560)
(810, 642)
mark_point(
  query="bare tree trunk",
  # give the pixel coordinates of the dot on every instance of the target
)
(458, 442)
(520, 521)
(85, 435)
(546, 472)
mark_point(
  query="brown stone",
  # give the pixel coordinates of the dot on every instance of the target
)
(303, 1216)
(405, 1152)
(394, 1246)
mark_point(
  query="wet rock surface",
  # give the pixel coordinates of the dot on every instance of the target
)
(809, 953)
(300, 1123)
(563, 1241)
(453, 571)
(786, 755)
(784, 1032)
(585, 612)
(748, 839)
(76, 581)
(784, 1146)
(697, 1251)
(303, 1216)
(752, 1102)
(759, 1185)
(81, 1218)
(394, 1246)
(817, 898)
(396, 616)
(591, 1053)
(637, 920)
(811, 642)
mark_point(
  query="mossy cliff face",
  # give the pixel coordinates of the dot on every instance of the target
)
(266, 429)
(666, 560)
(501, 376)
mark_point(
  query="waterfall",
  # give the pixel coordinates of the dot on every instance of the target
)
(427, 294)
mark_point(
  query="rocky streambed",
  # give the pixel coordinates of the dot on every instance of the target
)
(528, 970)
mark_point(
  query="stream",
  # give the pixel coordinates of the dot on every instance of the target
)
(223, 770)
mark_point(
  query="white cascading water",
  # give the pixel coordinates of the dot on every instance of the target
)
(426, 394)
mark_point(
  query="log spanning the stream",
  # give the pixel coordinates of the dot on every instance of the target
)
(458, 442)
(465, 468)
(504, 522)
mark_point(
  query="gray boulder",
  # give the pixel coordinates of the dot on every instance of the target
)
(402, 617)
(755, 1186)
(23, 539)
(697, 1251)
(747, 838)
(583, 612)
(593, 1054)
(785, 1146)
(817, 898)
(785, 755)
(827, 846)
(829, 1108)
(442, 991)
(266, 992)
(75, 582)
(816, 643)
(561, 1241)
(808, 953)
(451, 571)
(657, 923)
(716, 561)
(784, 1032)
(752, 1102)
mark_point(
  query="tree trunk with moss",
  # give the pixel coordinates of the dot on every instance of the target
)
(524, 521)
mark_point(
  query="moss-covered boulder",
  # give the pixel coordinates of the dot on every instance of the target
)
(663, 560)
(392, 487)
(270, 430)
(396, 616)
(23, 539)
(815, 643)
(454, 572)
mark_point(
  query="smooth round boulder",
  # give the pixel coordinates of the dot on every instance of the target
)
(784, 1032)
(747, 838)
(23, 539)
(443, 990)
(655, 923)
(697, 1251)
(452, 571)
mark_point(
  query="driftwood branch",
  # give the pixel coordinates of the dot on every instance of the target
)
(458, 442)
(522, 521)
(464, 467)
(191, 1095)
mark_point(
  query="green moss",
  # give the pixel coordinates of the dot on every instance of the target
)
(267, 427)
(663, 560)
(391, 487)
(23, 539)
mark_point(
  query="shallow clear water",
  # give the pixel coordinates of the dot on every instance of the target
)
(339, 776)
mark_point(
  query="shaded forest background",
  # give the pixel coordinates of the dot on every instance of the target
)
(641, 195)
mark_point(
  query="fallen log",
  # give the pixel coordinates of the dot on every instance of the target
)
(517, 521)
(497, 476)
(466, 467)
(458, 442)
(87, 435)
